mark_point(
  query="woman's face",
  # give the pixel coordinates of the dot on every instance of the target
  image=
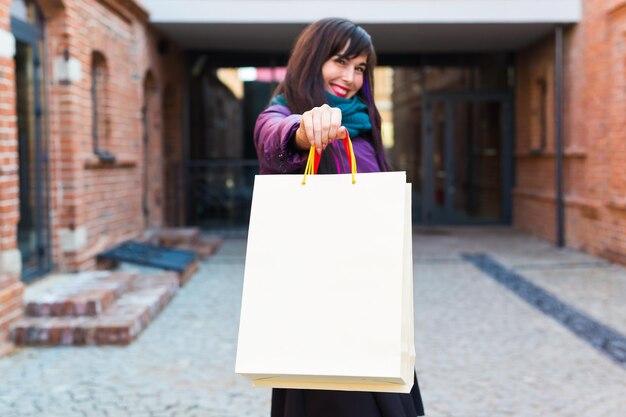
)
(343, 77)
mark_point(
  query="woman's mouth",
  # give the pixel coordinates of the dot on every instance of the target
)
(338, 90)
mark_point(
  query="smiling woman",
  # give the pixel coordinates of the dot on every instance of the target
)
(327, 92)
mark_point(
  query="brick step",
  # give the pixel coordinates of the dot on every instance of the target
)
(5, 346)
(186, 238)
(11, 306)
(119, 324)
(185, 276)
(75, 295)
(203, 246)
(174, 236)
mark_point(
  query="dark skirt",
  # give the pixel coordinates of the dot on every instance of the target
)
(321, 403)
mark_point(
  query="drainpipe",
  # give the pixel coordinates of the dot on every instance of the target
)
(558, 118)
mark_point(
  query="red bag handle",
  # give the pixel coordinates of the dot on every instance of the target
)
(313, 161)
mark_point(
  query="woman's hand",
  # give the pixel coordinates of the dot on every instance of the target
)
(319, 127)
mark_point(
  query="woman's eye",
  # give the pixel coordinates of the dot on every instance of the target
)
(340, 61)
(360, 69)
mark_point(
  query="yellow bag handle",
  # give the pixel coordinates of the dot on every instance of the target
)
(313, 160)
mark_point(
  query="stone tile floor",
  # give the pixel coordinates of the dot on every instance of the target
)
(482, 350)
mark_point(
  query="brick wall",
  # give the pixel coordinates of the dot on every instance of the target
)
(163, 99)
(11, 288)
(96, 204)
(9, 209)
(105, 203)
(615, 246)
(595, 151)
(174, 194)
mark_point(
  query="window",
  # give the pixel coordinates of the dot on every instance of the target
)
(100, 117)
(539, 116)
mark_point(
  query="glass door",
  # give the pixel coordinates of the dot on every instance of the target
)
(467, 158)
(32, 230)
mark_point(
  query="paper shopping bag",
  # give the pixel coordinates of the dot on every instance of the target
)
(327, 299)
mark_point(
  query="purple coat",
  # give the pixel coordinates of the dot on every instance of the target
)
(274, 140)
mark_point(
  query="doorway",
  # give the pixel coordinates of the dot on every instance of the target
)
(220, 159)
(33, 226)
(467, 149)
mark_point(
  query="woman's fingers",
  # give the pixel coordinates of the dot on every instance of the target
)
(317, 128)
(322, 125)
(335, 123)
(307, 122)
(342, 132)
(325, 122)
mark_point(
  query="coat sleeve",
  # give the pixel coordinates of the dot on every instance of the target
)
(274, 134)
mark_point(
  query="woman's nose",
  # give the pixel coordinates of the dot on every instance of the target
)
(348, 74)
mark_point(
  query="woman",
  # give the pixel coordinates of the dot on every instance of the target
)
(328, 91)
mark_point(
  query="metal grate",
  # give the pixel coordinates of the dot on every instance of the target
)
(150, 255)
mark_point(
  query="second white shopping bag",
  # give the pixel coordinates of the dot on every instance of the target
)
(333, 308)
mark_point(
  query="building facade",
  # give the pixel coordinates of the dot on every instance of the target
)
(114, 118)
(89, 130)
(594, 124)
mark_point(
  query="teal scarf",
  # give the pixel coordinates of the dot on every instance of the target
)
(353, 112)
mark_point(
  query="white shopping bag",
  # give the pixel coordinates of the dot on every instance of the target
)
(328, 285)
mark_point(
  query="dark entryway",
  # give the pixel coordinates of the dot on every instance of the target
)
(220, 159)
(467, 155)
(33, 226)
(453, 135)
(447, 122)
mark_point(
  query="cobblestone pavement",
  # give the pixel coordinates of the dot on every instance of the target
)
(482, 350)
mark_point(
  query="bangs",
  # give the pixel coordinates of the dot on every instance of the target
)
(360, 43)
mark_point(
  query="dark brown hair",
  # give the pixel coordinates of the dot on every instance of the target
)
(303, 86)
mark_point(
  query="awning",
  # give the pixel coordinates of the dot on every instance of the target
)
(397, 26)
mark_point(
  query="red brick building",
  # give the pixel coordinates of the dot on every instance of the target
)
(594, 134)
(84, 143)
(109, 109)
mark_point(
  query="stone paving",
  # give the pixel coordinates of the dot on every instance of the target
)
(481, 350)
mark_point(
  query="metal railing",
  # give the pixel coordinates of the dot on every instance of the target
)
(219, 192)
